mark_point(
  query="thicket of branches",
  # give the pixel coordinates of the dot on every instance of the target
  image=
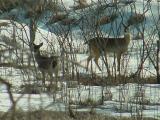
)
(68, 30)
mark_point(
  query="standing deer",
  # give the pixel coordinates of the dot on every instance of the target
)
(99, 45)
(46, 64)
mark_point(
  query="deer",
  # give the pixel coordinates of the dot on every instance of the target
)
(99, 45)
(48, 65)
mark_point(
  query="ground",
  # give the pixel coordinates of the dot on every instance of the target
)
(50, 115)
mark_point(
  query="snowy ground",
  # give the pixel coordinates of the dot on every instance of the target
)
(125, 100)
(119, 100)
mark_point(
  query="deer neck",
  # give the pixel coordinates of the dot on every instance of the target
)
(127, 37)
(37, 55)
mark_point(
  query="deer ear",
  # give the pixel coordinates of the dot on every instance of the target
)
(126, 27)
(41, 44)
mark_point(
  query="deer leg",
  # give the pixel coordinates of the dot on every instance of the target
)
(106, 63)
(51, 78)
(50, 86)
(43, 80)
(56, 73)
(53, 86)
(43, 77)
(118, 61)
(88, 60)
(96, 61)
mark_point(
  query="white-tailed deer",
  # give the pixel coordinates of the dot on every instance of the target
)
(46, 64)
(99, 45)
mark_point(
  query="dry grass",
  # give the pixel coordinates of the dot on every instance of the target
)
(52, 115)
(115, 80)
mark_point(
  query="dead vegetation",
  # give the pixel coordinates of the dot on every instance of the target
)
(50, 115)
(36, 10)
(95, 80)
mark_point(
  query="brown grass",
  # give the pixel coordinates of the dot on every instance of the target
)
(114, 80)
(52, 115)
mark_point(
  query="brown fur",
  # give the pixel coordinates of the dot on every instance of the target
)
(46, 64)
(99, 45)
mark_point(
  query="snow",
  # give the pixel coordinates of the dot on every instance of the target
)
(113, 106)
(121, 100)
